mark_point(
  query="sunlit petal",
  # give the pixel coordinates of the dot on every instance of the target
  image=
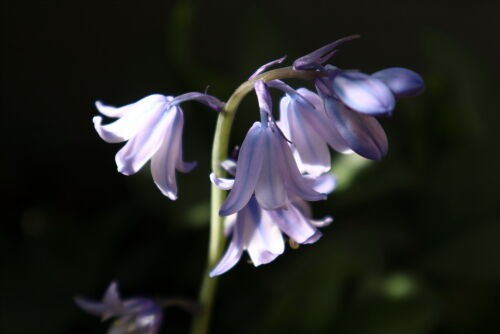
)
(146, 103)
(249, 167)
(163, 162)
(144, 145)
(363, 93)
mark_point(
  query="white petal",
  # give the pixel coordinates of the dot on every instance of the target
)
(144, 145)
(295, 182)
(324, 184)
(312, 149)
(145, 103)
(262, 238)
(321, 123)
(295, 225)
(221, 183)
(164, 160)
(129, 125)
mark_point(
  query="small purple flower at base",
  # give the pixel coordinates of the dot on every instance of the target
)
(133, 316)
(152, 128)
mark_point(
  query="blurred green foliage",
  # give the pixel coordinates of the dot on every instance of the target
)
(415, 247)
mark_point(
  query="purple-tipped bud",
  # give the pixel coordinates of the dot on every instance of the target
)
(401, 81)
(363, 93)
(318, 57)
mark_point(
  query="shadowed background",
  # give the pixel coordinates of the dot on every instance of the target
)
(415, 247)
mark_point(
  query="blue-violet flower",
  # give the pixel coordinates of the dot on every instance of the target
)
(266, 167)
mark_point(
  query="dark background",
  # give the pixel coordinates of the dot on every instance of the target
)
(415, 247)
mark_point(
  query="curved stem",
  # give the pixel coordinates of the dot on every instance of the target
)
(201, 322)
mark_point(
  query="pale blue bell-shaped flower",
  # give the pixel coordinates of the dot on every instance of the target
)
(259, 231)
(266, 167)
(152, 128)
(304, 121)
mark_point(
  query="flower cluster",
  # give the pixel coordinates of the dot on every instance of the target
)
(283, 163)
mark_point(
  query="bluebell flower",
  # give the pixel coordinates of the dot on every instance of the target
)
(266, 167)
(152, 128)
(133, 316)
(259, 231)
(353, 99)
(304, 121)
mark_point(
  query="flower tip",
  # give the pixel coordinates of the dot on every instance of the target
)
(171, 195)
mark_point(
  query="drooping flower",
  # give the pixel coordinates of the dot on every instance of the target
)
(152, 128)
(266, 167)
(259, 231)
(304, 121)
(133, 316)
(352, 99)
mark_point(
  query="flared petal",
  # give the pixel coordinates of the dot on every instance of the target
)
(94, 308)
(311, 147)
(145, 103)
(293, 223)
(163, 162)
(144, 145)
(130, 123)
(262, 238)
(229, 166)
(248, 171)
(402, 81)
(270, 188)
(324, 184)
(295, 182)
(233, 252)
(221, 183)
(364, 134)
(321, 222)
(363, 93)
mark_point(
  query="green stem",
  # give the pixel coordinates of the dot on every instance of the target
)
(201, 322)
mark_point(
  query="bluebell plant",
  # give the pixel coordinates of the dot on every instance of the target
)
(283, 163)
